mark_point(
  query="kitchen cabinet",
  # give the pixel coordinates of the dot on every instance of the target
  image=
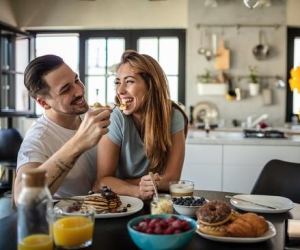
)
(232, 168)
(242, 164)
(203, 165)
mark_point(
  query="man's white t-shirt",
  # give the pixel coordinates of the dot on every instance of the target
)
(43, 139)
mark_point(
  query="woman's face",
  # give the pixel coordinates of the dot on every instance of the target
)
(130, 89)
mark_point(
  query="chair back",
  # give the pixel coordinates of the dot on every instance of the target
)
(280, 178)
(10, 142)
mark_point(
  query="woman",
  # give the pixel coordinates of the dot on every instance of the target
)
(148, 134)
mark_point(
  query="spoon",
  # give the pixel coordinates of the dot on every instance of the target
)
(154, 184)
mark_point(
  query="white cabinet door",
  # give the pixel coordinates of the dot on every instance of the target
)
(203, 165)
(242, 164)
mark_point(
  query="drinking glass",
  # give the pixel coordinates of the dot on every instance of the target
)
(181, 188)
(73, 228)
(162, 204)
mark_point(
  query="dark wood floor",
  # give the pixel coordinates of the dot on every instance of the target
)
(5, 204)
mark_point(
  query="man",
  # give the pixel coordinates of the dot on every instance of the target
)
(61, 141)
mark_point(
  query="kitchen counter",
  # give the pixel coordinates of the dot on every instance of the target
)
(220, 160)
(235, 136)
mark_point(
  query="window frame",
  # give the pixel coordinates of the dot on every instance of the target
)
(292, 33)
(12, 34)
(130, 37)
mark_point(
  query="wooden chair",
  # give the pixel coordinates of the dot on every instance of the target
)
(10, 142)
(280, 178)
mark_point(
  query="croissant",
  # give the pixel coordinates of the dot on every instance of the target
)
(247, 225)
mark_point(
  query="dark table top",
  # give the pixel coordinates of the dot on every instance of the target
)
(111, 233)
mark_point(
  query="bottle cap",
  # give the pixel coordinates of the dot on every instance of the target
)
(34, 178)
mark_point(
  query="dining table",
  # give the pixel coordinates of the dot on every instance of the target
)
(112, 234)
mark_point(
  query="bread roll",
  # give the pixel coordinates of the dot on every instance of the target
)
(247, 225)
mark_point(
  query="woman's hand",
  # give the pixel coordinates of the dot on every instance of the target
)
(146, 186)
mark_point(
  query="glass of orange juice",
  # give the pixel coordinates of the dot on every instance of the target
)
(73, 229)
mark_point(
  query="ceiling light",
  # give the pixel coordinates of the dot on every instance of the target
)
(251, 4)
(211, 3)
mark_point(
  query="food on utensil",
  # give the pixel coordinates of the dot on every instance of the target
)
(214, 213)
(96, 105)
(123, 105)
(247, 225)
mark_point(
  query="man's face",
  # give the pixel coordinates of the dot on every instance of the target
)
(67, 92)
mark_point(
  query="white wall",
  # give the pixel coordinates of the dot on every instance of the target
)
(240, 42)
(292, 10)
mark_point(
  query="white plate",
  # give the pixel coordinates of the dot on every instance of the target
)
(136, 205)
(267, 235)
(283, 204)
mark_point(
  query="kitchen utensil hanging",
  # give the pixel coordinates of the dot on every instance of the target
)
(261, 51)
(222, 60)
(202, 48)
(208, 53)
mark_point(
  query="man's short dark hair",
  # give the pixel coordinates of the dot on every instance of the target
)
(35, 72)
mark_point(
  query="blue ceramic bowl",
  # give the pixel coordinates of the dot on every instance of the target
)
(161, 241)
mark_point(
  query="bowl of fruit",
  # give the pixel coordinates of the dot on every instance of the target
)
(161, 231)
(188, 205)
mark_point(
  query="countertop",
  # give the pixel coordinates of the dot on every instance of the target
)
(235, 136)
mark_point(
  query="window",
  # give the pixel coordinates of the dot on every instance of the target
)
(56, 44)
(15, 54)
(94, 54)
(103, 50)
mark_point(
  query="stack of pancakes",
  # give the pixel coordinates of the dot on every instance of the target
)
(105, 201)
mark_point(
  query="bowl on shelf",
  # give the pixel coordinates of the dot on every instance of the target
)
(188, 205)
(158, 231)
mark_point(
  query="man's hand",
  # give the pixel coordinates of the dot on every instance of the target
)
(92, 128)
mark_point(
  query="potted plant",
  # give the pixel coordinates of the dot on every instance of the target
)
(205, 78)
(208, 85)
(253, 85)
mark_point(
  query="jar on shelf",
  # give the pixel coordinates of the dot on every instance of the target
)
(162, 204)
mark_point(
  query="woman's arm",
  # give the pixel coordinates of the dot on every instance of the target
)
(107, 162)
(174, 162)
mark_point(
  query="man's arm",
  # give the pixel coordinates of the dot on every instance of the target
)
(92, 128)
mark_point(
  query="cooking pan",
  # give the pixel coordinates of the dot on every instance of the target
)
(261, 51)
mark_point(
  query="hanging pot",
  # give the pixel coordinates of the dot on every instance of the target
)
(261, 51)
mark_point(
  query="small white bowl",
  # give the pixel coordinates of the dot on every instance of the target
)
(187, 210)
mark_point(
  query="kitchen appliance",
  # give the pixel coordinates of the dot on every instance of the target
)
(204, 111)
(267, 134)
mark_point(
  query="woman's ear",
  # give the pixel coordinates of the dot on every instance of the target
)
(43, 103)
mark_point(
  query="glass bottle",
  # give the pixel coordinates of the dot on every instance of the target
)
(162, 204)
(34, 212)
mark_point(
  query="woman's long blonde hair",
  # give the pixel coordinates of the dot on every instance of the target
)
(157, 108)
